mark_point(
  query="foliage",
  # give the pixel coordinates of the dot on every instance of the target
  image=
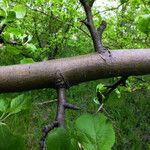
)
(9, 141)
(93, 132)
(14, 106)
(8, 107)
(144, 23)
(59, 139)
(43, 30)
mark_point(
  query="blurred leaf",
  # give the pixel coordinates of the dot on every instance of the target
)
(100, 87)
(59, 139)
(101, 92)
(29, 38)
(14, 31)
(13, 50)
(144, 23)
(11, 16)
(31, 47)
(20, 11)
(3, 105)
(27, 61)
(123, 1)
(8, 141)
(118, 93)
(2, 14)
(18, 104)
(115, 99)
(95, 132)
(95, 99)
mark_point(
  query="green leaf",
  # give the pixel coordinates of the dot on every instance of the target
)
(29, 38)
(8, 141)
(20, 11)
(18, 104)
(59, 139)
(95, 132)
(95, 99)
(123, 1)
(144, 23)
(13, 50)
(27, 61)
(118, 93)
(3, 105)
(2, 14)
(14, 31)
(100, 88)
(115, 99)
(11, 16)
(148, 87)
(101, 92)
(31, 47)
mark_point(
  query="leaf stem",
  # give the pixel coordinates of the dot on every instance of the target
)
(6, 117)
(2, 116)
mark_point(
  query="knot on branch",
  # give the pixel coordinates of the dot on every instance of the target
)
(60, 81)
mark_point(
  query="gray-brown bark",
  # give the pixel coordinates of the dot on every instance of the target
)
(96, 34)
(74, 70)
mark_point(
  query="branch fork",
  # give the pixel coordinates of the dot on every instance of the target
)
(61, 106)
(96, 33)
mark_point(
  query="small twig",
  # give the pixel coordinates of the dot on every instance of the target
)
(110, 9)
(2, 116)
(80, 28)
(70, 106)
(101, 29)
(102, 97)
(109, 90)
(2, 28)
(121, 81)
(47, 102)
(45, 132)
(100, 108)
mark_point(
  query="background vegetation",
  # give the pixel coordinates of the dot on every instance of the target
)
(41, 30)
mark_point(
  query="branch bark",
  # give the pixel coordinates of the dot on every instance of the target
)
(75, 70)
(61, 106)
(90, 25)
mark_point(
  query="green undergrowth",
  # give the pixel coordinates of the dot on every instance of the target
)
(130, 115)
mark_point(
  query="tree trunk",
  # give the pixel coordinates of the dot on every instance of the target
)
(74, 70)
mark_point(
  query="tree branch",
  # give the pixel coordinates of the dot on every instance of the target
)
(111, 9)
(101, 29)
(121, 81)
(90, 25)
(61, 106)
(45, 132)
(75, 70)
